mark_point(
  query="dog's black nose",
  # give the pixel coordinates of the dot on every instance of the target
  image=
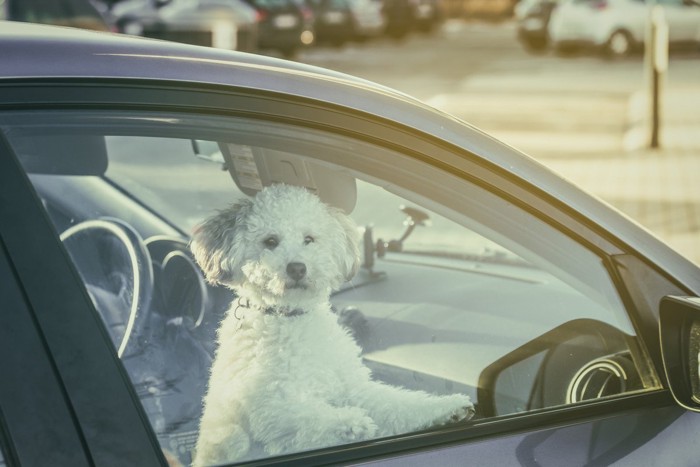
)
(296, 271)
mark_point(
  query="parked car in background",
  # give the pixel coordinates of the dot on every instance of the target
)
(617, 27)
(533, 17)
(341, 21)
(426, 14)
(482, 272)
(74, 13)
(399, 17)
(284, 25)
(406, 16)
(224, 24)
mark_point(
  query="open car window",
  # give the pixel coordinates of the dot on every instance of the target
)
(460, 291)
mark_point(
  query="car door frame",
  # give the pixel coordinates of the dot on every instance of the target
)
(102, 417)
(224, 100)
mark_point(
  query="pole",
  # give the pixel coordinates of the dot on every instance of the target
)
(657, 62)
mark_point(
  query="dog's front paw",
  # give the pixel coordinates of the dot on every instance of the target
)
(463, 414)
(461, 411)
(357, 429)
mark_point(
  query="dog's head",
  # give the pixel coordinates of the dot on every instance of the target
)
(284, 244)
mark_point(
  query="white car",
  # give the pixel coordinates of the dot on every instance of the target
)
(617, 27)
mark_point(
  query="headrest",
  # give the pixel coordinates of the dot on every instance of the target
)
(254, 168)
(64, 154)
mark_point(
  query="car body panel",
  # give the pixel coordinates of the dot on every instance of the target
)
(603, 442)
(593, 22)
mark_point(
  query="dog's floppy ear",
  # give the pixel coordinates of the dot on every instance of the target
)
(214, 242)
(349, 257)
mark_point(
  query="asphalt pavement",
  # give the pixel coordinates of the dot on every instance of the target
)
(610, 155)
(606, 148)
(659, 188)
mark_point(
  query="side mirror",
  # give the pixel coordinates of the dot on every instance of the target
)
(579, 360)
(679, 330)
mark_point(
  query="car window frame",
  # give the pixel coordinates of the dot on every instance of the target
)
(423, 147)
(31, 386)
(73, 335)
(225, 100)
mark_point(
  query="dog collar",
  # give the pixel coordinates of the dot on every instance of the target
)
(286, 312)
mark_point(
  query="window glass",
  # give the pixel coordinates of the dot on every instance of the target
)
(458, 292)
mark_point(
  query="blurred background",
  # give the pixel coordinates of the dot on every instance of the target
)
(572, 83)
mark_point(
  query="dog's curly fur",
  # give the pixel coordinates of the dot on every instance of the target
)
(287, 377)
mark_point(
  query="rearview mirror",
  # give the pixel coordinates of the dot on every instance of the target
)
(679, 330)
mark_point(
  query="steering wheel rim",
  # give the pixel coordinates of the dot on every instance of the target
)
(85, 237)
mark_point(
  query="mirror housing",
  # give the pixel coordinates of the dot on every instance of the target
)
(582, 359)
(679, 332)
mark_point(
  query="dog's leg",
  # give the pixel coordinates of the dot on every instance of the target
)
(221, 445)
(221, 439)
(295, 425)
(396, 410)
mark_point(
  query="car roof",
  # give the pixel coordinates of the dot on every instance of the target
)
(157, 59)
(102, 55)
(90, 54)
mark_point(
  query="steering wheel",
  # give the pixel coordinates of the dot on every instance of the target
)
(116, 268)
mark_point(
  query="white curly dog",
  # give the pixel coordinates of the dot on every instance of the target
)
(287, 377)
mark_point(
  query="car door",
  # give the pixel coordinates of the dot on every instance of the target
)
(574, 20)
(472, 281)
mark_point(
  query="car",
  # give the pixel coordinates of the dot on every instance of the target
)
(226, 24)
(532, 17)
(340, 21)
(618, 27)
(405, 16)
(398, 15)
(428, 15)
(71, 13)
(572, 329)
(285, 26)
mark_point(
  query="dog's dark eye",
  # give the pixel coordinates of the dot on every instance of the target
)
(271, 242)
(308, 239)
